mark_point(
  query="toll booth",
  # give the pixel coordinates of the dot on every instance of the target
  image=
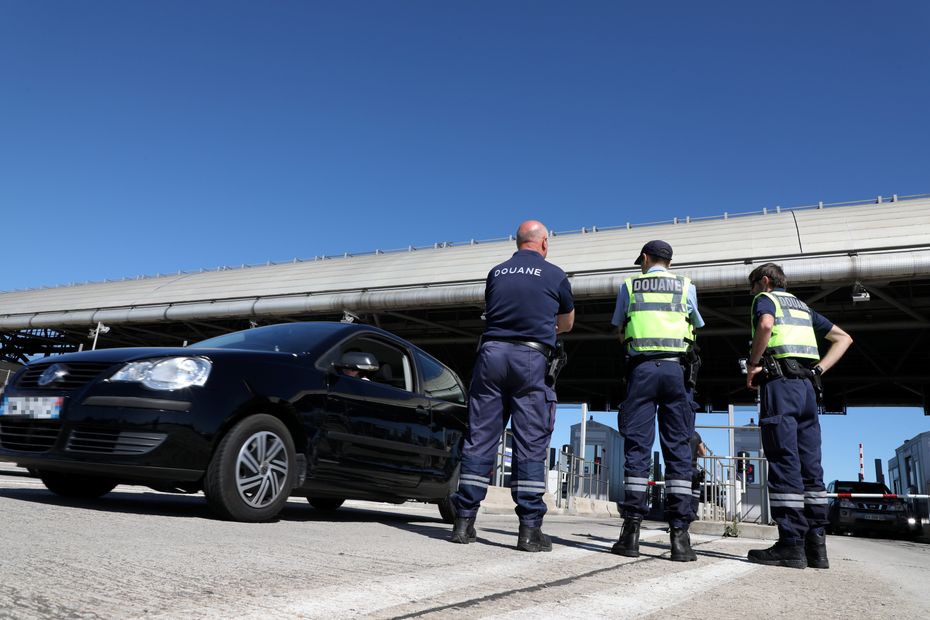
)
(750, 467)
(603, 460)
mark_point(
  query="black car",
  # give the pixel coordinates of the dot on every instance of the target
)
(330, 411)
(877, 514)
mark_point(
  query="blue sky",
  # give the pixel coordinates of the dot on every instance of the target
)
(143, 138)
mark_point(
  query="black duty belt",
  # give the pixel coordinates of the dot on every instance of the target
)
(543, 348)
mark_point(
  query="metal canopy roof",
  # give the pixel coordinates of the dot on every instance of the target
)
(597, 261)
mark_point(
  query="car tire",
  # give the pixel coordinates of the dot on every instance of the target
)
(75, 486)
(446, 510)
(325, 504)
(252, 472)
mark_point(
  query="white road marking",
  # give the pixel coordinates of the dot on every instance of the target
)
(378, 593)
(643, 598)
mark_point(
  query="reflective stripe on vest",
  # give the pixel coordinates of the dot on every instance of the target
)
(793, 332)
(658, 316)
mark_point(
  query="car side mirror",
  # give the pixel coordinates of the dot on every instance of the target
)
(359, 361)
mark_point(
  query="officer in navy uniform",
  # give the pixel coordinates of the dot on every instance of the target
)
(528, 302)
(656, 314)
(698, 450)
(786, 363)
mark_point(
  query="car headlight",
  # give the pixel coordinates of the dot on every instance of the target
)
(172, 373)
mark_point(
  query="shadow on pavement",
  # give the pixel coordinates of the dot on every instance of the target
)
(191, 506)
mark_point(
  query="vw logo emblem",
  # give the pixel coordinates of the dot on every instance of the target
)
(52, 374)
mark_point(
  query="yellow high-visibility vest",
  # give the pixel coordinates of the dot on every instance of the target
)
(658, 318)
(793, 332)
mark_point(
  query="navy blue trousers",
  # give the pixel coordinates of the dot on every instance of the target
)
(658, 388)
(508, 382)
(791, 440)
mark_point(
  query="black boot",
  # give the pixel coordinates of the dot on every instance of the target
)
(779, 554)
(463, 531)
(681, 545)
(628, 545)
(532, 539)
(815, 548)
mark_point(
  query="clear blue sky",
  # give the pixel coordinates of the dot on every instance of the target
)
(138, 138)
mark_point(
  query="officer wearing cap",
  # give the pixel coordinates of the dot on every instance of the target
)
(528, 302)
(656, 314)
(786, 363)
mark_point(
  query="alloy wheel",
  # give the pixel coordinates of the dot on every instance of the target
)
(261, 469)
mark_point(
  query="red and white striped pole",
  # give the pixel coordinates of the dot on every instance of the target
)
(861, 465)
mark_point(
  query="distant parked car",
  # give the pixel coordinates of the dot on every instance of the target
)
(880, 515)
(329, 411)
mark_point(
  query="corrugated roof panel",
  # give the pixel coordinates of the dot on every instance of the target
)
(835, 229)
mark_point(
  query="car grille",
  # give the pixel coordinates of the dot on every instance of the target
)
(868, 506)
(109, 442)
(79, 374)
(29, 435)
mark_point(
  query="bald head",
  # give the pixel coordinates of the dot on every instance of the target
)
(533, 235)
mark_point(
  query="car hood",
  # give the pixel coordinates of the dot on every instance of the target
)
(114, 356)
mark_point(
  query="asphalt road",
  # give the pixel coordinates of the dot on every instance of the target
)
(141, 554)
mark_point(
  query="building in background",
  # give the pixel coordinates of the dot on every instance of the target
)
(909, 470)
(909, 474)
(603, 460)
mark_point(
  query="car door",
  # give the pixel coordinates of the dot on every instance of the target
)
(383, 426)
(449, 411)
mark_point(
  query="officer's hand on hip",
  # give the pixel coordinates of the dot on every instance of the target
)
(751, 373)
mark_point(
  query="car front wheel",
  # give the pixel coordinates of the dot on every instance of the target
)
(252, 471)
(446, 510)
(76, 486)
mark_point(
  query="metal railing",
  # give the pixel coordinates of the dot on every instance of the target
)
(580, 478)
(733, 488)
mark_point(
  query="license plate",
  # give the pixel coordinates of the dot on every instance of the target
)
(875, 517)
(33, 407)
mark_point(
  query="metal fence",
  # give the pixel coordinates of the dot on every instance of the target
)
(580, 478)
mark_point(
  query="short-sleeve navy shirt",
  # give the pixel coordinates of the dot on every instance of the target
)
(523, 296)
(764, 305)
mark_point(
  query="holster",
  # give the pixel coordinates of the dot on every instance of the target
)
(557, 359)
(691, 363)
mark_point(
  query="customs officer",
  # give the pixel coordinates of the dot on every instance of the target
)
(657, 314)
(785, 362)
(528, 302)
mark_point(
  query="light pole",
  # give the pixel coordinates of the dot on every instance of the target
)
(94, 333)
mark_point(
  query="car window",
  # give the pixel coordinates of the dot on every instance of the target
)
(852, 486)
(438, 381)
(284, 338)
(394, 367)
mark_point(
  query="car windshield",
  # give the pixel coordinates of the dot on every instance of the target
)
(860, 487)
(284, 338)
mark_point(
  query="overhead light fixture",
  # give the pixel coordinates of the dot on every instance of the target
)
(859, 294)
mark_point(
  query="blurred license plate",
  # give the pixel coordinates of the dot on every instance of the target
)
(35, 407)
(876, 517)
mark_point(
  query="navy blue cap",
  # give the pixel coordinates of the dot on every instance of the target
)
(655, 248)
